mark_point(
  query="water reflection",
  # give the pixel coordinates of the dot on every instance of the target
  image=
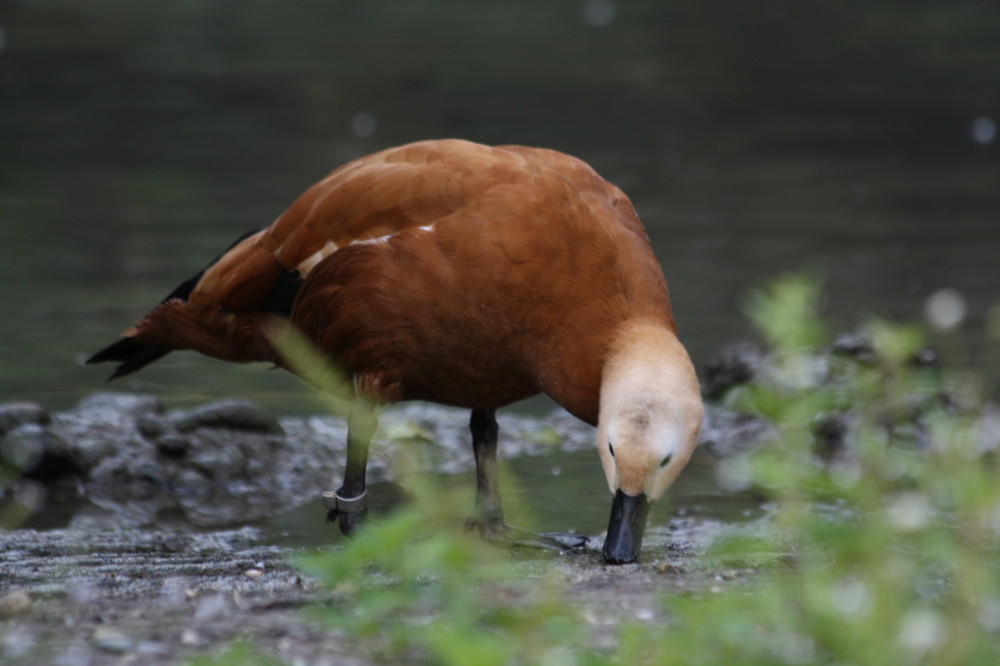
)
(574, 500)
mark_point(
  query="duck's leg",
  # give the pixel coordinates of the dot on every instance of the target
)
(488, 516)
(349, 504)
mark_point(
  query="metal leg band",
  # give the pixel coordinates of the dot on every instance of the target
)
(331, 500)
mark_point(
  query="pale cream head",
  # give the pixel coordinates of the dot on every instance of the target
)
(651, 411)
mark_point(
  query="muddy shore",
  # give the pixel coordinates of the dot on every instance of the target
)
(146, 566)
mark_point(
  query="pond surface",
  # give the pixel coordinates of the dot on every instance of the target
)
(557, 492)
(858, 139)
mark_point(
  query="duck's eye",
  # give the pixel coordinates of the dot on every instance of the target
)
(611, 449)
(666, 460)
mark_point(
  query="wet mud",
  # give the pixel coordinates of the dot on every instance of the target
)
(142, 562)
(126, 596)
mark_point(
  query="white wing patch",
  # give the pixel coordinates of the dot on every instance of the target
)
(312, 260)
(373, 241)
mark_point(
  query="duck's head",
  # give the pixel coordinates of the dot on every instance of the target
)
(651, 412)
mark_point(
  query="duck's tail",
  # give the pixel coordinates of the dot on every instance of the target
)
(133, 355)
(130, 354)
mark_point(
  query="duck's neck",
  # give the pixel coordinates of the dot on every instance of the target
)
(650, 398)
(646, 358)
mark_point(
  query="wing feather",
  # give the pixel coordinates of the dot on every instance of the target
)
(375, 197)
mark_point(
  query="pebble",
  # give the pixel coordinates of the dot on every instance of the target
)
(210, 607)
(15, 603)
(236, 414)
(253, 573)
(173, 445)
(151, 425)
(190, 637)
(18, 640)
(16, 414)
(36, 450)
(110, 639)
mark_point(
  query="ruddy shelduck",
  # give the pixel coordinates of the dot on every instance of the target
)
(465, 275)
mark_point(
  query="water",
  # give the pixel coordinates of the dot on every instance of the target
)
(857, 139)
(559, 492)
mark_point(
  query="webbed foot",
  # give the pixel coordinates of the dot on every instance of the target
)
(499, 532)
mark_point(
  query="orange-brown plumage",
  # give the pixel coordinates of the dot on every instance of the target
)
(467, 275)
(502, 272)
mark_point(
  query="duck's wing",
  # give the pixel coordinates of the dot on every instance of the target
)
(227, 310)
(371, 198)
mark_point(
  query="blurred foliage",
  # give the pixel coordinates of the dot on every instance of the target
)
(890, 518)
(336, 389)
(420, 588)
(786, 314)
(881, 547)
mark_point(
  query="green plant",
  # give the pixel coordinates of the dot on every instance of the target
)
(892, 538)
(420, 585)
(881, 546)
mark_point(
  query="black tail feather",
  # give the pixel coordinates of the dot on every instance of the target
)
(133, 355)
(130, 354)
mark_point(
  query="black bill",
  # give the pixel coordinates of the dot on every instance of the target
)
(625, 529)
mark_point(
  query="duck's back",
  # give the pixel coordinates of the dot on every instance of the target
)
(455, 272)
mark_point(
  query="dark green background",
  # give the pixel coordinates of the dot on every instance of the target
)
(139, 138)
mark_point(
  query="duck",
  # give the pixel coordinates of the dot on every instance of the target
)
(467, 275)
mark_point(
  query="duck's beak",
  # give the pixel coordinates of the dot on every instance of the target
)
(625, 529)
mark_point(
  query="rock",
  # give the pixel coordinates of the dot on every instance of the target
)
(859, 347)
(173, 445)
(39, 453)
(151, 425)
(221, 456)
(15, 603)
(227, 463)
(22, 448)
(128, 477)
(235, 414)
(210, 607)
(16, 414)
(190, 637)
(104, 424)
(130, 404)
(856, 346)
(725, 432)
(18, 642)
(112, 640)
(832, 432)
(736, 364)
